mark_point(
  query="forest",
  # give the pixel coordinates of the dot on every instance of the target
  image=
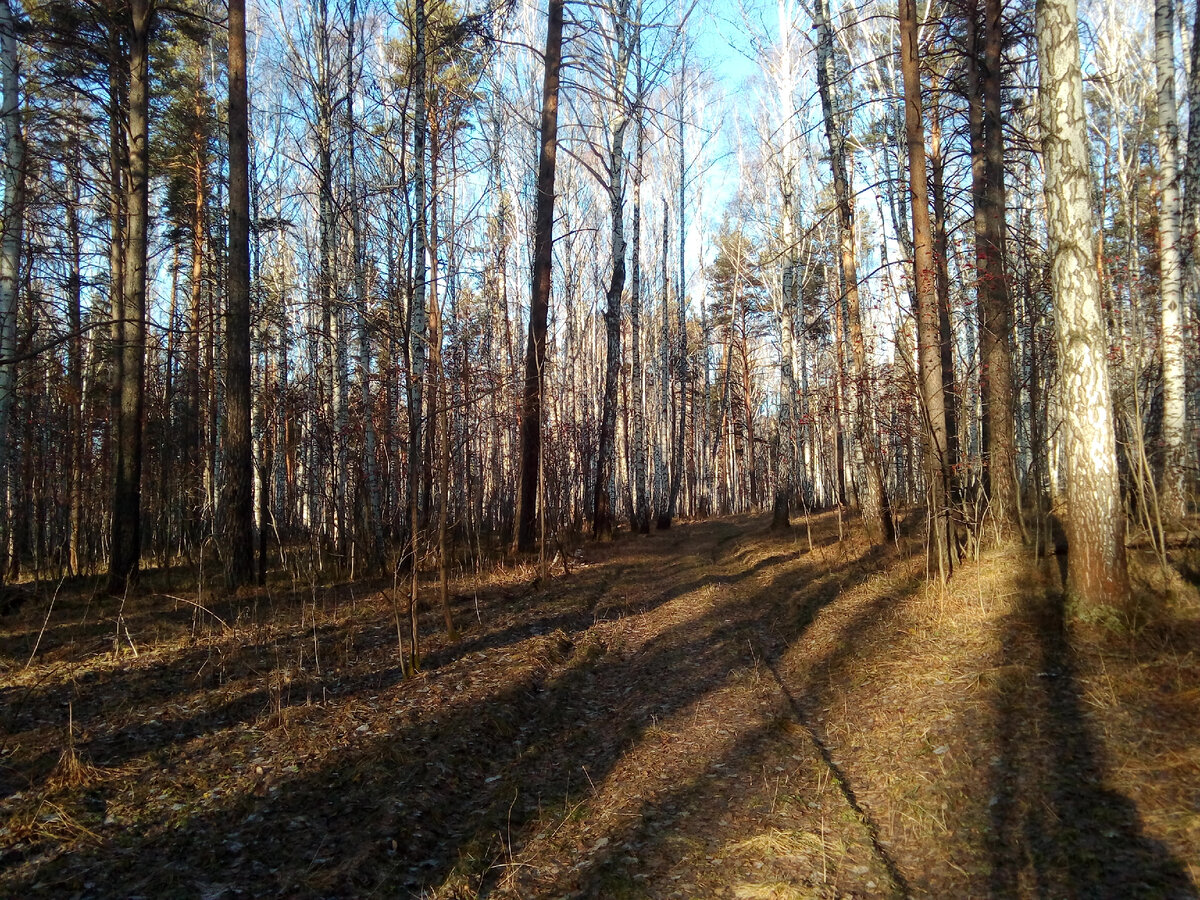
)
(599, 448)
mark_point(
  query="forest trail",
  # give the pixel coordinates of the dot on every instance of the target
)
(712, 711)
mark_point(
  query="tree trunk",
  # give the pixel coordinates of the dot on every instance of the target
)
(370, 464)
(1096, 572)
(681, 310)
(75, 367)
(941, 256)
(662, 447)
(543, 261)
(876, 510)
(602, 519)
(11, 218)
(1171, 492)
(193, 430)
(992, 293)
(417, 328)
(789, 287)
(641, 514)
(130, 325)
(238, 489)
(929, 350)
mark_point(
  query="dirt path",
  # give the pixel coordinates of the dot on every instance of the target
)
(713, 711)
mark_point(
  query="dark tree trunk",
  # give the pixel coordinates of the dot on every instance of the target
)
(539, 304)
(130, 315)
(992, 292)
(238, 489)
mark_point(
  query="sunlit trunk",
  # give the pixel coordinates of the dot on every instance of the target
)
(1096, 572)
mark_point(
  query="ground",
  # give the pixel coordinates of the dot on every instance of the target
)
(711, 711)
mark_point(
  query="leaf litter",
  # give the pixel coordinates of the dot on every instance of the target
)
(713, 711)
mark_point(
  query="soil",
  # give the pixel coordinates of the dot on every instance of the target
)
(711, 711)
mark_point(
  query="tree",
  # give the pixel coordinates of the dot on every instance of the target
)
(539, 301)
(622, 39)
(11, 218)
(129, 312)
(929, 351)
(876, 508)
(1171, 276)
(417, 324)
(238, 493)
(1096, 572)
(985, 85)
(790, 277)
(641, 502)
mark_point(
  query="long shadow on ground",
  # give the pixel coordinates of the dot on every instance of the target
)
(1056, 830)
(397, 812)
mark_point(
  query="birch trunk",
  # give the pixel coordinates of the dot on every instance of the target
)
(789, 287)
(1096, 571)
(602, 516)
(370, 463)
(602, 524)
(1171, 492)
(641, 515)
(681, 311)
(662, 446)
(941, 256)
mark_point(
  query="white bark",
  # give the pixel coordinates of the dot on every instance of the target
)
(1096, 573)
(1171, 267)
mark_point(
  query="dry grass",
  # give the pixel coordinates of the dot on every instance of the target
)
(712, 710)
(779, 843)
(775, 891)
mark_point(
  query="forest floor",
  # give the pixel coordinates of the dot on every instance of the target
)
(711, 711)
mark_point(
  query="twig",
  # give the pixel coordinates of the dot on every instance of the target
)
(45, 622)
(199, 606)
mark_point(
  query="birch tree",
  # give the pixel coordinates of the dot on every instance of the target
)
(1096, 570)
(790, 270)
(618, 40)
(1171, 267)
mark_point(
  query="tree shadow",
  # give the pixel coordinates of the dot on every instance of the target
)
(400, 812)
(1056, 829)
(791, 610)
